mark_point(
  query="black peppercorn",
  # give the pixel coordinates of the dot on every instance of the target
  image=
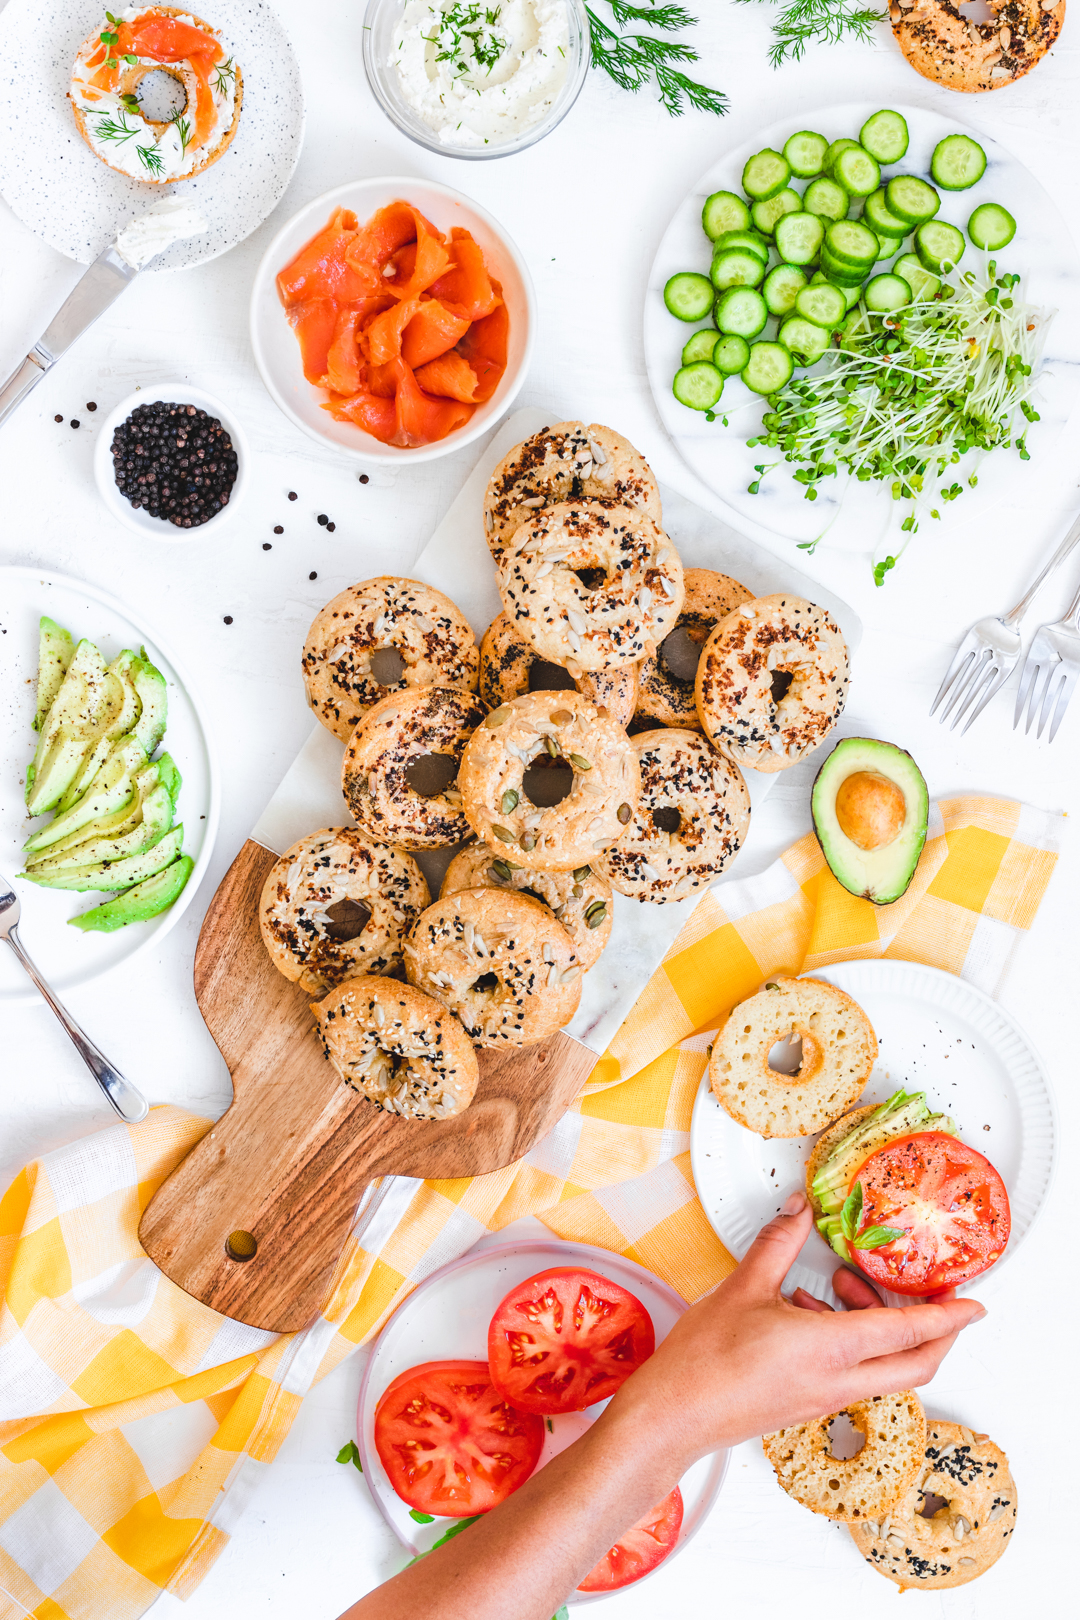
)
(322, 519)
(58, 418)
(330, 527)
(74, 421)
(174, 461)
(313, 575)
(364, 478)
(91, 405)
(292, 494)
(267, 546)
(228, 618)
(278, 529)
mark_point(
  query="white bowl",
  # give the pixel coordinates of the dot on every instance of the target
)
(277, 352)
(135, 518)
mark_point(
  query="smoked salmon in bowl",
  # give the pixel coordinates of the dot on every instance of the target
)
(393, 319)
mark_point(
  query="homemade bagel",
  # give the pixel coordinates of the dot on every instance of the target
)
(580, 901)
(829, 1139)
(336, 906)
(709, 598)
(567, 462)
(432, 637)
(867, 1485)
(629, 609)
(500, 962)
(399, 1048)
(963, 1538)
(944, 45)
(403, 728)
(839, 1048)
(689, 823)
(506, 662)
(763, 638)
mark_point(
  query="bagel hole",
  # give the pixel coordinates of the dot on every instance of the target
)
(644, 722)
(929, 1504)
(787, 1055)
(845, 1440)
(348, 918)
(977, 11)
(781, 681)
(431, 774)
(161, 96)
(591, 578)
(387, 666)
(547, 781)
(545, 677)
(667, 820)
(679, 654)
(485, 985)
(241, 1245)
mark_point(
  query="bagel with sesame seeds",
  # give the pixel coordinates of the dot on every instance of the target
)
(662, 694)
(404, 728)
(398, 1047)
(867, 1485)
(579, 900)
(962, 54)
(507, 662)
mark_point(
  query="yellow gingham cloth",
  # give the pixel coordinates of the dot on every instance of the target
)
(135, 1423)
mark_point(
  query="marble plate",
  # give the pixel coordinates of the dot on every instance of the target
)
(76, 203)
(859, 516)
(447, 1318)
(937, 1034)
(66, 956)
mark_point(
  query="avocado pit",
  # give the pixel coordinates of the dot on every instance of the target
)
(870, 809)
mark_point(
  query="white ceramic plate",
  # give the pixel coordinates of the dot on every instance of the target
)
(1042, 251)
(447, 1318)
(277, 353)
(66, 956)
(76, 203)
(936, 1034)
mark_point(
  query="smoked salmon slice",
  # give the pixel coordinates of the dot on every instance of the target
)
(432, 331)
(451, 376)
(320, 269)
(466, 288)
(484, 346)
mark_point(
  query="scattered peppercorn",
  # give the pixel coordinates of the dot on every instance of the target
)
(330, 527)
(58, 418)
(323, 519)
(175, 461)
(292, 494)
(74, 421)
(278, 529)
(267, 546)
(364, 478)
(313, 575)
(91, 405)
(228, 618)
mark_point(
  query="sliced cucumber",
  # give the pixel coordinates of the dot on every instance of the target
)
(744, 239)
(782, 286)
(731, 353)
(799, 237)
(924, 285)
(699, 386)
(827, 198)
(724, 211)
(741, 312)
(834, 151)
(991, 227)
(700, 346)
(765, 174)
(805, 153)
(823, 304)
(688, 296)
(886, 292)
(939, 246)
(957, 163)
(851, 243)
(765, 214)
(768, 368)
(844, 275)
(880, 217)
(857, 171)
(851, 294)
(885, 136)
(911, 199)
(805, 340)
(735, 267)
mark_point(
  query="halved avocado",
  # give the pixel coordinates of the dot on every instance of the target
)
(870, 806)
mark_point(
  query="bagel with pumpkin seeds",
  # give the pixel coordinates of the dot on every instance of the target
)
(580, 900)
(506, 662)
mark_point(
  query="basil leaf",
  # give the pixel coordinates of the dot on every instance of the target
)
(421, 1518)
(349, 1454)
(849, 1215)
(875, 1237)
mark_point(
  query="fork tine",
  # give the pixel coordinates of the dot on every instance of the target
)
(1055, 684)
(983, 679)
(1000, 677)
(967, 682)
(1028, 677)
(1067, 687)
(963, 654)
(1038, 690)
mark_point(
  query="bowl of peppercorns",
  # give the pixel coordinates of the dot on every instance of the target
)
(171, 462)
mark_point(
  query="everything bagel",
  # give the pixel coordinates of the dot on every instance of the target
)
(399, 1048)
(580, 901)
(662, 695)
(506, 661)
(962, 54)
(404, 728)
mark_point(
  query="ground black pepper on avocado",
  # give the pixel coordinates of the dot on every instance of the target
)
(174, 461)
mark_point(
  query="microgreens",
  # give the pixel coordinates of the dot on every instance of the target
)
(635, 60)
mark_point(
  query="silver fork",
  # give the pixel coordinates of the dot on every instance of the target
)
(1055, 652)
(990, 651)
(129, 1103)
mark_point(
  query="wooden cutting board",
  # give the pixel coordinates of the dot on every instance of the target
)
(290, 1160)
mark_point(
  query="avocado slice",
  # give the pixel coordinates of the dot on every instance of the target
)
(870, 807)
(74, 715)
(55, 652)
(123, 712)
(116, 875)
(169, 773)
(112, 792)
(145, 900)
(153, 818)
(153, 696)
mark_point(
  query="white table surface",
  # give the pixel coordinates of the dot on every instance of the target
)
(587, 206)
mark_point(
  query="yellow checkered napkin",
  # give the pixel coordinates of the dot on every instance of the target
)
(135, 1423)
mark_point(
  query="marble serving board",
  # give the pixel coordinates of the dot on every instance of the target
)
(456, 560)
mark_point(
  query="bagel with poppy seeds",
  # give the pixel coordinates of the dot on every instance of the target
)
(962, 54)
(866, 1486)
(507, 662)
(663, 695)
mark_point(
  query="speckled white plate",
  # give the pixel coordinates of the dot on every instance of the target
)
(76, 203)
(859, 516)
(936, 1033)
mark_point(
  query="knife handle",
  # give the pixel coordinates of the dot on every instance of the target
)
(22, 379)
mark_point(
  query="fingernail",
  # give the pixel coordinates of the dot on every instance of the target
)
(794, 1204)
(979, 1314)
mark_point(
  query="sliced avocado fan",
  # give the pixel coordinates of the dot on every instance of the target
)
(145, 900)
(55, 652)
(870, 807)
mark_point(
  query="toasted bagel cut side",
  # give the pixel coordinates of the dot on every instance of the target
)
(942, 44)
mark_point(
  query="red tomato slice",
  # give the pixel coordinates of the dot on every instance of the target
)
(450, 1443)
(640, 1549)
(950, 1203)
(565, 1338)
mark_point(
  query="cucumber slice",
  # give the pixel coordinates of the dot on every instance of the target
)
(885, 136)
(887, 292)
(834, 151)
(851, 295)
(844, 275)
(747, 239)
(991, 227)
(699, 386)
(765, 174)
(939, 246)
(911, 199)
(724, 211)
(736, 267)
(805, 153)
(688, 296)
(741, 311)
(768, 368)
(731, 353)
(957, 163)
(799, 237)
(782, 286)
(852, 243)
(700, 346)
(805, 340)
(924, 285)
(826, 198)
(765, 214)
(880, 217)
(823, 304)
(857, 171)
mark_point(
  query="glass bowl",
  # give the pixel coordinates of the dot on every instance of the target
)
(381, 23)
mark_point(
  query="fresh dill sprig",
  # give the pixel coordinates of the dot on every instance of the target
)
(825, 22)
(107, 129)
(635, 60)
(223, 72)
(183, 129)
(151, 159)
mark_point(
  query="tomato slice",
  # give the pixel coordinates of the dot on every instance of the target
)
(639, 1549)
(565, 1338)
(948, 1200)
(450, 1443)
